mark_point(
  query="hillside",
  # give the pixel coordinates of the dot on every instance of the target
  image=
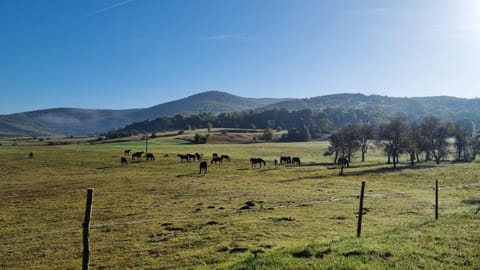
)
(77, 122)
(212, 102)
(412, 108)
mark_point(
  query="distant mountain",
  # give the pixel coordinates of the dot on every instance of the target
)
(212, 101)
(77, 122)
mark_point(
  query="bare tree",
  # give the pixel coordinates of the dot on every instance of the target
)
(435, 133)
(395, 135)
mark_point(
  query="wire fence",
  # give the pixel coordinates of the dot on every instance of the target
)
(190, 216)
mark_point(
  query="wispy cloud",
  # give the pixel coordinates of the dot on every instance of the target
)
(364, 11)
(227, 37)
(98, 11)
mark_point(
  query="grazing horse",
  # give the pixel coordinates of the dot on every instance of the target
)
(296, 161)
(285, 159)
(214, 155)
(191, 157)
(216, 160)
(126, 152)
(150, 156)
(343, 162)
(255, 161)
(137, 155)
(30, 155)
(203, 167)
(199, 156)
(124, 161)
(182, 157)
(225, 158)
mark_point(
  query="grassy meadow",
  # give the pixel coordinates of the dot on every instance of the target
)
(163, 214)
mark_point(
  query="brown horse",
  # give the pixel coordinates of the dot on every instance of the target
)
(343, 162)
(216, 160)
(124, 161)
(203, 167)
(182, 157)
(255, 161)
(150, 156)
(137, 155)
(296, 161)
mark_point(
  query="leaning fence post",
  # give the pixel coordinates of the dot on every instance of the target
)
(436, 199)
(360, 210)
(86, 228)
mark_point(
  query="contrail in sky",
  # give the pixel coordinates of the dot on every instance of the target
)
(95, 12)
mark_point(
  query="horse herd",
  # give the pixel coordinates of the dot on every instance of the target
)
(216, 159)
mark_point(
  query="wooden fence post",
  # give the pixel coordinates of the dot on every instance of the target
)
(436, 199)
(360, 210)
(86, 228)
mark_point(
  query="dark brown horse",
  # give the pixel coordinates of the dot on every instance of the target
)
(216, 160)
(296, 161)
(285, 159)
(137, 155)
(150, 156)
(255, 161)
(182, 157)
(126, 152)
(124, 161)
(203, 167)
(343, 162)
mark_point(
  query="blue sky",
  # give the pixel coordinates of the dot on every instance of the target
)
(119, 54)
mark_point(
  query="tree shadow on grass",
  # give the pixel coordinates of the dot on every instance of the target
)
(384, 170)
(471, 201)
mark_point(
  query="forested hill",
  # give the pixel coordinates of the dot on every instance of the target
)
(322, 114)
(411, 108)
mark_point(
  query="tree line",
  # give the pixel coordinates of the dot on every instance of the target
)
(431, 139)
(302, 125)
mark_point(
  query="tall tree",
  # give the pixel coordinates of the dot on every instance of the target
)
(395, 134)
(366, 132)
(435, 132)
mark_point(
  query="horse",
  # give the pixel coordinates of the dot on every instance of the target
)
(214, 155)
(216, 160)
(137, 155)
(182, 157)
(255, 161)
(296, 161)
(285, 159)
(203, 167)
(126, 152)
(191, 157)
(150, 156)
(124, 161)
(276, 164)
(342, 162)
(30, 155)
(199, 156)
(225, 157)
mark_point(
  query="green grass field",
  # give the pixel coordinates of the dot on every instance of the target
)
(163, 215)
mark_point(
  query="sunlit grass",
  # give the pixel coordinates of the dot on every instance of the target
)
(163, 214)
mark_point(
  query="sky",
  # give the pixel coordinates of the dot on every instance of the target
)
(121, 54)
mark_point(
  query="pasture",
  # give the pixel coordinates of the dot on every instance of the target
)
(163, 214)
